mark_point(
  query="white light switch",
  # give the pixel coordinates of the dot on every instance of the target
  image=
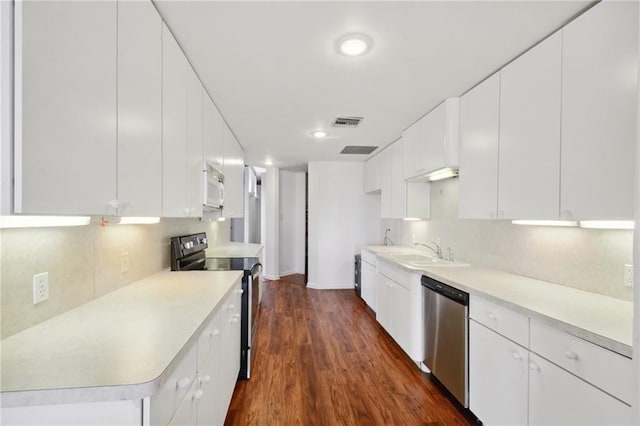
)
(40, 287)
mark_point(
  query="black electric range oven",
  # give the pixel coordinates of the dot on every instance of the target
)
(188, 254)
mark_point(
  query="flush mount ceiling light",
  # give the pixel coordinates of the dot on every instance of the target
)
(319, 134)
(354, 44)
(268, 163)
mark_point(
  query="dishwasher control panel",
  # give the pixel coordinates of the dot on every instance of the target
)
(445, 290)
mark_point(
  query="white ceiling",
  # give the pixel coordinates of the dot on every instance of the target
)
(274, 72)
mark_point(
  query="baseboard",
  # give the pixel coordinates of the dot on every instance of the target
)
(318, 286)
(270, 277)
(286, 273)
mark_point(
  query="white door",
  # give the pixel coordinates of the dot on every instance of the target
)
(368, 286)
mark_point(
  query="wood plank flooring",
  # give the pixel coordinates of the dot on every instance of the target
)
(321, 359)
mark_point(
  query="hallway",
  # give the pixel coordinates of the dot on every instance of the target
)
(322, 359)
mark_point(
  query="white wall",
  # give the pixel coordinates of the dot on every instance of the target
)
(270, 222)
(340, 222)
(292, 206)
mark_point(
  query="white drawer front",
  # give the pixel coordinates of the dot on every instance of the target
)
(604, 369)
(395, 273)
(369, 257)
(165, 401)
(504, 321)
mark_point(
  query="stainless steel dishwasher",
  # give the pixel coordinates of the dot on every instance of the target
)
(446, 313)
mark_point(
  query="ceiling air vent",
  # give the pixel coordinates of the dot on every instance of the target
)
(361, 150)
(347, 122)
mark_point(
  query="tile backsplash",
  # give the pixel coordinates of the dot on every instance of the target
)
(83, 263)
(588, 259)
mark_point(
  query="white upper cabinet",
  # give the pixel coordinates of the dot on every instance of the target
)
(211, 131)
(398, 185)
(401, 199)
(599, 112)
(440, 133)
(65, 107)
(432, 142)
(139, 109)
(479, 131)
(386, 179)
(529, 164)
(413, 152)
(194, 167)
(175, 70)
(372, 174)
(233, 176)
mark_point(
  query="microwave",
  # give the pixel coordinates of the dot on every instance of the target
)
(213, 185)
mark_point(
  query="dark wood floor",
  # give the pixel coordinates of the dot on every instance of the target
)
(322, 359)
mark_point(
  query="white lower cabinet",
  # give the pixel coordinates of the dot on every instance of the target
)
(510, 384)
(560, 398)
(368, 277)
(497, 377)
(399, 307)
(185, 413)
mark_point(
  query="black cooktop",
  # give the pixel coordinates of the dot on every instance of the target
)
(230, 263)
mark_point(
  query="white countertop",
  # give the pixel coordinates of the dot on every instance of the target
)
(234, 250)
(119, 346)
(603, 320)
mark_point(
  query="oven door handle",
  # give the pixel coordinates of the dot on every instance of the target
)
(256, 270)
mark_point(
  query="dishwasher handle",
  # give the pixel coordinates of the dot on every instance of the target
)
(445, 290)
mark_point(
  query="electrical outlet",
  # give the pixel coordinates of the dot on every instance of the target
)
(40, 287)
(628, 275)
(124, 262)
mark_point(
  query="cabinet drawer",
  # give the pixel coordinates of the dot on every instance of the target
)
(369, 257)
(603, 368)
(165, 401)
(504, 321)
(395, 273)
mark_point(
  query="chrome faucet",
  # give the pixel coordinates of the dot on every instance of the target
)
(387, 241)
(437, 250)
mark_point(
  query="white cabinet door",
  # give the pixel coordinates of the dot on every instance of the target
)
(372, 174)
(560, 398)
(65, 107)
(498, 382)
(210, 410)
(195, 154)
(386, 188)
(433, 139)
(139, 109)
(211, 131)
(186, 412)
(401, 317)
(413, 151)
(384, 305)
(479, 129)
(368, 277)
(529, 164)
(398, 185)
(599, 112)
(174, 127)
(230, 357)
(234, 177)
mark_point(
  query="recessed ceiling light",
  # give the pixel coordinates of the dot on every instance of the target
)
(268, 163)
(319, 134)
(354, 44)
